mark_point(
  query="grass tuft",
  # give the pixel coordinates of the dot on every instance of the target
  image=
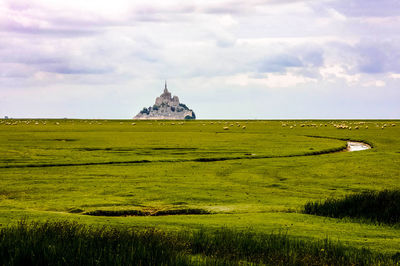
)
(379, 207)
(66, 243)
(69, 243)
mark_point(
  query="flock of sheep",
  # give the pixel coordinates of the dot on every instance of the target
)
(343, 125)
(228, 124)
(14, 122)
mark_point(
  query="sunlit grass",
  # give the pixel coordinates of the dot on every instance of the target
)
(259, 177)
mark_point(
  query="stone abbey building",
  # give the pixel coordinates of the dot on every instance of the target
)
(166, 107)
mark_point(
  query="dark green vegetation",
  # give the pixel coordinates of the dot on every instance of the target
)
(147, 213)
(246, 174)
(65, 243)
(380, 207)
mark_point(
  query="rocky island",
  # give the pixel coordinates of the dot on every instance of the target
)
(166, 107)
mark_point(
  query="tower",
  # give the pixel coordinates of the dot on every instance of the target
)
(165, 89)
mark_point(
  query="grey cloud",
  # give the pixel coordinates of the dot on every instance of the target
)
(223, 9)
(71, 66)
(313, 58)
(51, 32)
(32, 59)
(236, 7)
(298, 57)
(378, 57)
(73, 69)
(364, 8)
(243, 7)
(279, 63)
(71, 23)
(25, 54)
(19, 4)
(13, 70)
(42, 20)
(55, 29)
(368, 56)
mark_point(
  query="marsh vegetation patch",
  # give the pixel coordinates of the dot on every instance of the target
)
(186, 211)
(379, 207)
(66, 243)
(62, 140)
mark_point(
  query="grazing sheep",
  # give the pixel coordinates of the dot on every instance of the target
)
(244, 127)
(342, 126)
(226, 128)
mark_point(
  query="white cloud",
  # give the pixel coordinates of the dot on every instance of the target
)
(227, 21)
(224, 47)
(374, 83)
(272, 80)
(333, 72)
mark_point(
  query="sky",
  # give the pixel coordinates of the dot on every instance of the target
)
(225, 59)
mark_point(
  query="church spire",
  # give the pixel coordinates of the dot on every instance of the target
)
(165, 89)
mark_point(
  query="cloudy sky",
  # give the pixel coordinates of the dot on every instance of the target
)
(265, 59)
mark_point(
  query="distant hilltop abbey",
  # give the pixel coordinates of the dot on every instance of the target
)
(166, 107)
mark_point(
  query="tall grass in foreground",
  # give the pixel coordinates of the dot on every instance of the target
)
(66, 243)
(380, 207)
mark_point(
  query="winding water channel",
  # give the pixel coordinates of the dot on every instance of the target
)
(351, 146)
(357, 146)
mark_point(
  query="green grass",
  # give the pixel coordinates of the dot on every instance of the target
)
(65, 243)
(380, 207)
(258, 178)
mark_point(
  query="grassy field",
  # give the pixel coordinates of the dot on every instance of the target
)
(255, 178)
